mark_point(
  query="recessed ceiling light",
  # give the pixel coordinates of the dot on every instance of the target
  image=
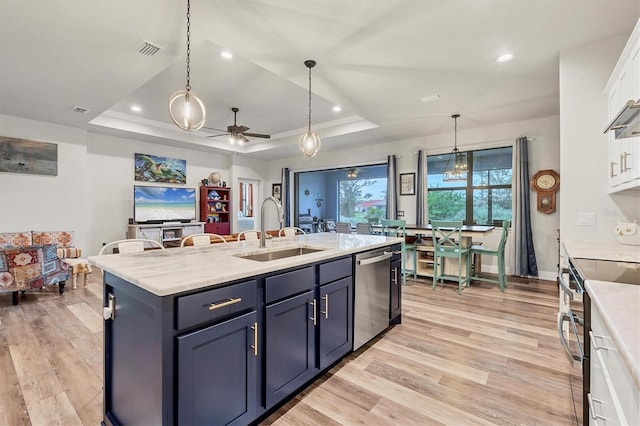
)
(505, 58)
(227, 55)
(337, 108)
(136, 108)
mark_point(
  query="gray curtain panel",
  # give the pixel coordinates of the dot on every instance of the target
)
(284, 196)
(422, 209)
(523, 256)
(392, 193)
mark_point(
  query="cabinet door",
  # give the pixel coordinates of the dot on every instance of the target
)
(217, 373)
(289, 345)
(396, 290)
(336, 312)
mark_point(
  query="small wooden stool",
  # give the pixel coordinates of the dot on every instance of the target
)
(78, 266)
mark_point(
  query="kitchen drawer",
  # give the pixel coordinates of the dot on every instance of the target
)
(215, 304)
(336, 269)
(288, 284)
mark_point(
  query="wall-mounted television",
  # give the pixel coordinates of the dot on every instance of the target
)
(158, 204)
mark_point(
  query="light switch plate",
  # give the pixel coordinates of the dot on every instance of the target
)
(586, 219)
(400, 213)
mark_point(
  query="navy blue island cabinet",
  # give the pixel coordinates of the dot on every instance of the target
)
(228, 354)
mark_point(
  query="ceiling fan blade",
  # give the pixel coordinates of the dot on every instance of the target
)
(215, 136)
(242, 139)
(257, 135)
(213, 128)
(242, 129)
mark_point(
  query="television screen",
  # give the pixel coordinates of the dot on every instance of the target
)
(163, 204)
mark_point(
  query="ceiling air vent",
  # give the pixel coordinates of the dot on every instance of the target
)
(147, 48)
(80, 110)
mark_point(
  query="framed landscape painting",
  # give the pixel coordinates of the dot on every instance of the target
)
(27, 156)
(152, 168)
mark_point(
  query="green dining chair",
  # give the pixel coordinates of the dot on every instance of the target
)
(447, 244)
(373, 221)
(397, 228)
(499, 253)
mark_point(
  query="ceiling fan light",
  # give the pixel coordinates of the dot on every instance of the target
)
(187, 110)
(309, 144)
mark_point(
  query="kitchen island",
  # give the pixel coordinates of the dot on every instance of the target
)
(207, 335)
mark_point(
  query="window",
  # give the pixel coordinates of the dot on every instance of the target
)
(362, 198)
(484, 197)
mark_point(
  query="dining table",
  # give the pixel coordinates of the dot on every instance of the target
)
(469, 232)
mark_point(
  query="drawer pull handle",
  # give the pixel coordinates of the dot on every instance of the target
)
(254, 327)
(313, 303)
(595, 343)
(326, 306)
(231, 301)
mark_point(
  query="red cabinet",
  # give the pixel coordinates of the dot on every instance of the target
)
(215, 209)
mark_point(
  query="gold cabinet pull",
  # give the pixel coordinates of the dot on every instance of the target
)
(313, 303)
(231, 301)
(395, 276)
(254, 327)
(326, 306)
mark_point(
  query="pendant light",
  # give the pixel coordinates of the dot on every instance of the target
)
(309, 142)
(186, 109)
(456, 170)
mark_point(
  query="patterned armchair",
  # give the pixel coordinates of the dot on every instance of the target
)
(31, 267)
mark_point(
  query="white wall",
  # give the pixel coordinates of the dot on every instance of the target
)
(584, 72)
(93, 192)
(46, 203)
(110, 173)
(543, 152)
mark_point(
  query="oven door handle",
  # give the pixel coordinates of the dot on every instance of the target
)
(562, 317)
(564, 285)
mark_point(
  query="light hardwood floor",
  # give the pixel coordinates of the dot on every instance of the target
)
(484, 357)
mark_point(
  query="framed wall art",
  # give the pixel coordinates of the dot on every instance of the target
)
(27, 156)
(407, 183)
(152, 168)
(275, 191)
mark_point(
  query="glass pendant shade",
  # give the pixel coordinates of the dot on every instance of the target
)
(456, 170)
(309, 144)
(187, 110)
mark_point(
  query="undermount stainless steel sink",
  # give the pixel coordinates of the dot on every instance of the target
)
(278, 254)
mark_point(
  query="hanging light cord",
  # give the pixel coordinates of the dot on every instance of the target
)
(309, 129)
(188, 86)
(455, 133)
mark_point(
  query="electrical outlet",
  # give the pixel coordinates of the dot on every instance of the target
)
(586, 219)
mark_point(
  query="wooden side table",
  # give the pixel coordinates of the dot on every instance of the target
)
(78, 266)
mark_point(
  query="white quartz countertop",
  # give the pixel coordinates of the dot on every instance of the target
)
(603, 250)
(618, 304)
(619, 307)
(175, 270)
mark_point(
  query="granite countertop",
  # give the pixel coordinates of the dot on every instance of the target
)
(618, 304)
(175, 270)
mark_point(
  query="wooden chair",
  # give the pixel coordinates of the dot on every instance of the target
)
(373, 221)
(202, 239)
(290, 231)
(343, 228)
(397, 228)
(363, 228)
(133, 245)
(249, 235)
(447, 244)
(499, 253)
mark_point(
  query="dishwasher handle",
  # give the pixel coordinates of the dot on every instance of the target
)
(375, 259)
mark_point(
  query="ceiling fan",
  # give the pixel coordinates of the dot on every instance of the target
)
(237, 134)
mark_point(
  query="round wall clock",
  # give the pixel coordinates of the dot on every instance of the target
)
(546, 183)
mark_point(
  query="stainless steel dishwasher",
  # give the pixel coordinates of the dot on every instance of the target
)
(371, 299)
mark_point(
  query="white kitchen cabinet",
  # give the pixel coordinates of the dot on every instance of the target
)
(623, 169)
(614, 398)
